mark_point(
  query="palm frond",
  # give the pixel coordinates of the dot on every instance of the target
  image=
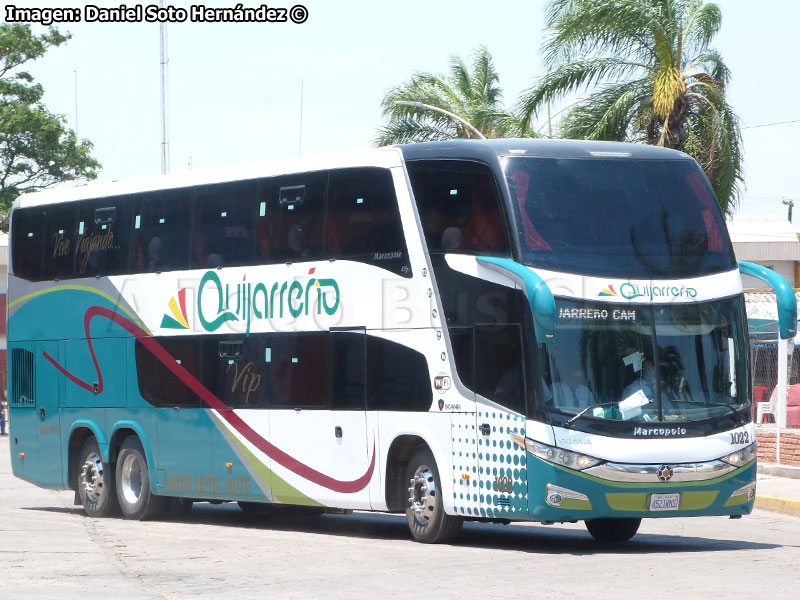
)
(710, 62)
(702, 21)
(616, 27)
(607, 114)
(485, 78)
(409, 130)
(571, 77)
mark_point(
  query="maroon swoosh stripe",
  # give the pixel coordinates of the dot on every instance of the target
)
(275, 453)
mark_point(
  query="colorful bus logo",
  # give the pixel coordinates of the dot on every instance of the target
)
(176, 319)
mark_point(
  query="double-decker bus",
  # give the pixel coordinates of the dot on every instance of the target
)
(470, 330)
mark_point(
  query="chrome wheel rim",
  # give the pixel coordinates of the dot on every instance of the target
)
(131, 479)
(422, 494)
(92, 476)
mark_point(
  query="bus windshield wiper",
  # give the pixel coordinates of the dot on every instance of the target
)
(739, 418)
(569, 423)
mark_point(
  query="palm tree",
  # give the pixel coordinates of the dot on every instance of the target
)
(652, 76)
(472, 99)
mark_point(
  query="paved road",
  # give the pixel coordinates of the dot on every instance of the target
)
(48, 549)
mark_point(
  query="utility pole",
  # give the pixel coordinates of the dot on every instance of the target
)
(300, 135)
(76, 104)
(164, 62)
(790, 204)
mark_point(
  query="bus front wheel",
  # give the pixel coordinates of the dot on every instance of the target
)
(613, 530)
(427, 519)
(95, 481)
(136, 500)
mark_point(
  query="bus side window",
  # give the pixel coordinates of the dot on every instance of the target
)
(291, 218)
(459, 206)
(223, 225)
(397, 377)
(296, 369)
(364, 219)
(235, 370)
(498, 365)
(104, 236)
(158, 384)
(161, 230)
(347, 369)
(60, 241)
(28, 243)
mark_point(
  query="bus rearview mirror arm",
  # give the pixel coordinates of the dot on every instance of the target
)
(537, 291)
(787, 305)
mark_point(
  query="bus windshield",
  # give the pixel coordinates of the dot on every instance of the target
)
(617, 217)
(646, 363)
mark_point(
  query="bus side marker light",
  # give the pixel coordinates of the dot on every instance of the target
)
(465, 476)
(22, 456)
(229, 464)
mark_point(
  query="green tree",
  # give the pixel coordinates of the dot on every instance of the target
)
(37, 149)
(471, 95)
(652, 76)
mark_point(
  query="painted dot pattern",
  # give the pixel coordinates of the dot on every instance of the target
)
(487, 460)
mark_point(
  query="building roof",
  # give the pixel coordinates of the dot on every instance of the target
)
(764, 238)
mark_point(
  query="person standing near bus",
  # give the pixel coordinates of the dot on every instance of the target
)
(2, 420)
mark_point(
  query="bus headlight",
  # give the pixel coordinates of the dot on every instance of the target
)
(741, 457)
(566, 458)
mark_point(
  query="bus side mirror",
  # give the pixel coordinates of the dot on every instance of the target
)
(538, 293)
(787, 304)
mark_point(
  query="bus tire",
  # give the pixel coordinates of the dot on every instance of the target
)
(95, 481)
(136, 500)
(613, 530)
(427, 520)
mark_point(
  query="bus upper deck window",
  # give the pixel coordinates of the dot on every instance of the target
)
(103, 237)
(223, 224)
(363, 220)
(161, 230)
(291, 221)
(459, 206)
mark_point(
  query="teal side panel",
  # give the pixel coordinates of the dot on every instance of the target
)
(111, 356)
(245, 478)
(48, 386)
(23, 426)
(183, 456)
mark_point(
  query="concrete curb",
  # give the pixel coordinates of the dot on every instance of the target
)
(782, 505)
(779, 470)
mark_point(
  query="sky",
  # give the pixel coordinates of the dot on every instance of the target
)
(235, 89)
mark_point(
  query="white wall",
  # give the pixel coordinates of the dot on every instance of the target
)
(784, 268)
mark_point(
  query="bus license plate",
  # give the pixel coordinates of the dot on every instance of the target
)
(664, 501)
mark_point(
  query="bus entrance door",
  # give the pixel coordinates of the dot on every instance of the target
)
(324, 431)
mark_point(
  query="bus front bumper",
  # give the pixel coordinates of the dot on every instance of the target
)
(558, 493)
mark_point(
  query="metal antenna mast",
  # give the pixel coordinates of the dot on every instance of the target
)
(76, 104)
(300, 135)
(164, 62)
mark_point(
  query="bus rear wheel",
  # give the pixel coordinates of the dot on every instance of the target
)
(136, 500)
(427, 520)
(613, 530)
(95, 481)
